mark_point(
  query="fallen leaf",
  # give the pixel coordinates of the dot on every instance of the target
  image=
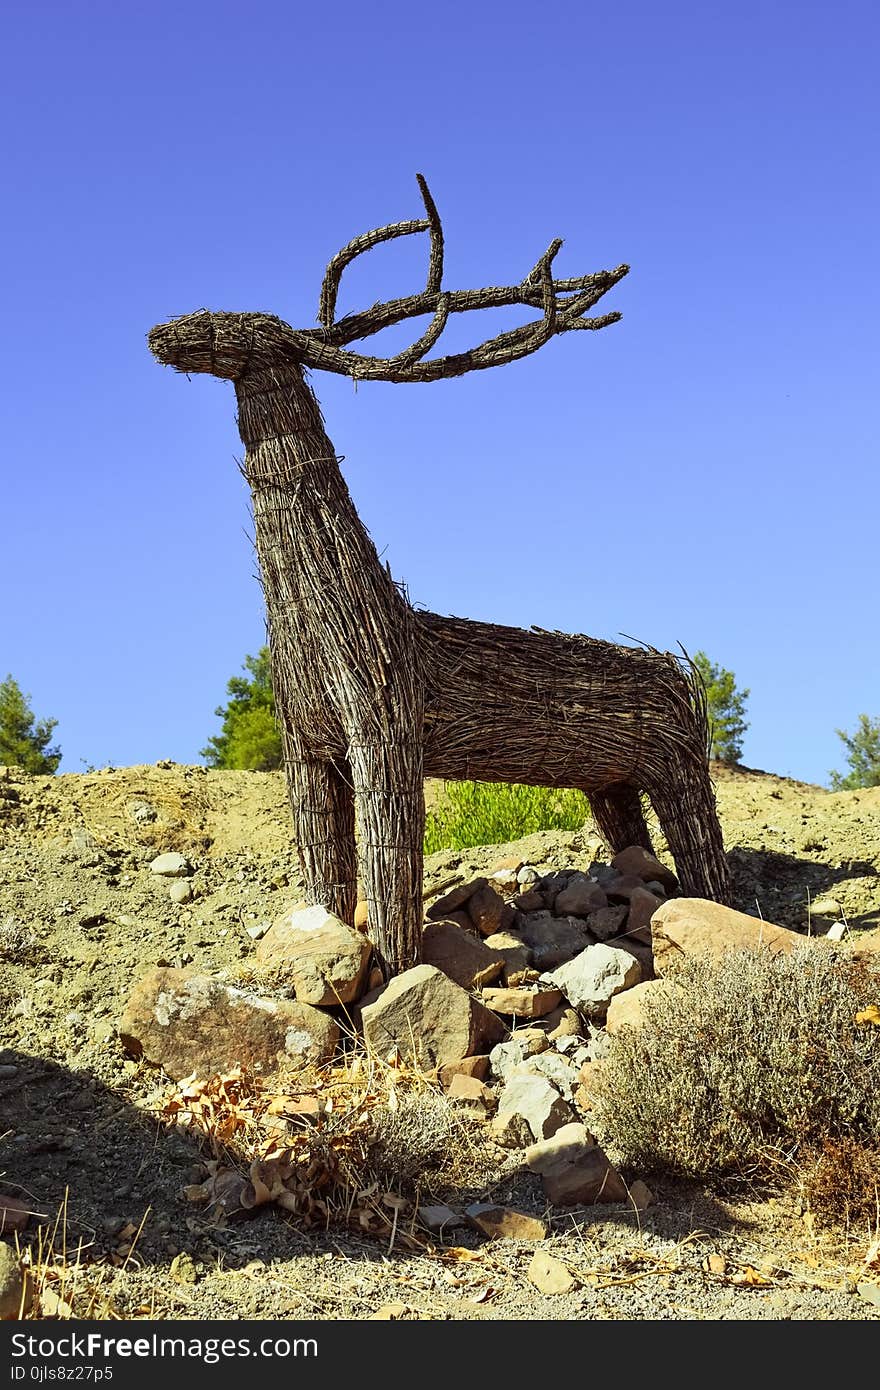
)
(869, 1015)
(750, 1278)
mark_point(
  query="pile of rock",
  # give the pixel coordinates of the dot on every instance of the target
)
(523, 978)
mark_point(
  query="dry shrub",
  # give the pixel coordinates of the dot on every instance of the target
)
(752, 1061)
(841, 1183)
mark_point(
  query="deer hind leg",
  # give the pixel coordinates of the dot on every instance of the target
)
(617, 810)
(322, 802)
(390, 804)
(685, 807)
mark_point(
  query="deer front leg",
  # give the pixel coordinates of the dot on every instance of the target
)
(617, 810)
(686, 811)
(322, 802)
(390, 803)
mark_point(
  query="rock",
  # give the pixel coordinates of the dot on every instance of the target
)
(533, 901)
(643, 954)
(361, 915)
(527, 875)
(619, 889)
(180, 891)
(188, 1022)
(14, 1290)
(522, 1003)
(591, 980)
(553, 940)
(15, 1213)
(696, 926)
(569, 1025)
(505, 1222)
(869, 1290)
(438, 1218)
(171, 865)
(574, 1170)
(459, 954)
(580, 896)
(325, 959)
(640, 1195)
(555, 1068)
(607, 922)
(537, 1101)
(429, 1019)
(468, 1066)
(486, 908)
(471, 1093)
(627, 1010)
(642, 906)
(451, 901)
(502, 878)
(548, 1274)
(638, 861)
(507, 1056)
(837, 932)
(509, 864)
(513, 950)
(823, 907)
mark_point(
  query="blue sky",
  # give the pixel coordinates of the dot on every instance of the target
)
(703, 473)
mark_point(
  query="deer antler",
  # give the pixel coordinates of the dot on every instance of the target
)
(564, 303)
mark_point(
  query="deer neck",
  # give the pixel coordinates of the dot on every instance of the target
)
(327, 593)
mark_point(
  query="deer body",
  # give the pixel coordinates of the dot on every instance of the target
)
(371, 695)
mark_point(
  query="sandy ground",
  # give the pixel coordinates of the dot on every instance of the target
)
(81, 1134)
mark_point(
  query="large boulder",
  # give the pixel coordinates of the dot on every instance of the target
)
(187, 1022)
(323, 958)
(429, 1019)
(696, 926)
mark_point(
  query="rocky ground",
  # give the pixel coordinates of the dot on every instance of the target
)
(85, 1137)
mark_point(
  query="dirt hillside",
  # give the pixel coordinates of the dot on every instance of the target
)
(82, 916)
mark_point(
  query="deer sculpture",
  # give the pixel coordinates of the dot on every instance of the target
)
(372, 695)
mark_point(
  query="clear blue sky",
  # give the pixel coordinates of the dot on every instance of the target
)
(703, 473)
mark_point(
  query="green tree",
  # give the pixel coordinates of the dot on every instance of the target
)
(24, 741)
(726, 706)
(862, 754)
(249, 736)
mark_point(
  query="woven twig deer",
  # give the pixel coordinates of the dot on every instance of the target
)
(372, 696)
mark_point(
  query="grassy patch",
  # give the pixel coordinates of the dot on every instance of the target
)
(491, 813)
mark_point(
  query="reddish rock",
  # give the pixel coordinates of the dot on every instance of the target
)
(459, 954)
(505, 1222)
(429, 1019)
(574, 1170)
(472, 1093)
(467, 1066)
(627, 1010)
(486, 909)
(638, 861)
(522, 1003)
(642, 906)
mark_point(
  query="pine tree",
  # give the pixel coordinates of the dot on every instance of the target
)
(726, 707)
(249, 736)
(24, 741)
(862, 754)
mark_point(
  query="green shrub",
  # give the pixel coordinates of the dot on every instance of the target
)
(491, 813)
(745, 1066)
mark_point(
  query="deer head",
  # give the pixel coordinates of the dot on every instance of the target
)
(228, 345)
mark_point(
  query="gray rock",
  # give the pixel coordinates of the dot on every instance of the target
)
(555, 1068)
(527, 875)
(464, 957)
(180, 891)
(454, 899)
(171, 865)
(507, 1056)
(537, 1101)
(591, 980)
(580, 896)
(607, 922)
(553, 940)
(439, 1218)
